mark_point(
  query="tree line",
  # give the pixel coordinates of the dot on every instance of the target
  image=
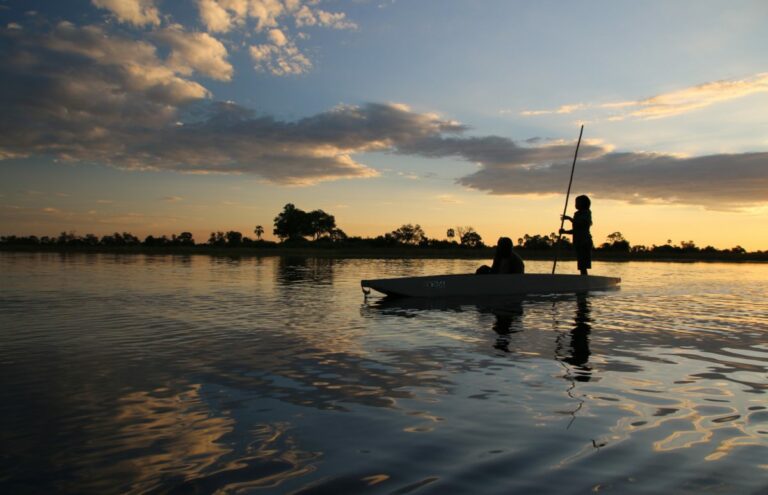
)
(293, 226)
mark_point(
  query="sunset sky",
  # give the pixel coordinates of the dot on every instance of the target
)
(160, 116)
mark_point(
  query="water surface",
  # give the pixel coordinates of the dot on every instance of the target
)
(197, 374)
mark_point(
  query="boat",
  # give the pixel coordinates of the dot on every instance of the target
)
(488, 285)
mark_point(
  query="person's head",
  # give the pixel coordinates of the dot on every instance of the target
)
(504, 247)
(583, 202)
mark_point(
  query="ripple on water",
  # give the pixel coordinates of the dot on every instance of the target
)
(190, 374)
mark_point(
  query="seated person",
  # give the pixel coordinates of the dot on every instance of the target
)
(505, 260)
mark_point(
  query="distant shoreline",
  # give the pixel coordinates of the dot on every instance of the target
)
(399, 252)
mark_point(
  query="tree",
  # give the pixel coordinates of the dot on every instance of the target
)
(259, 230)
(409, 234)
(291, 223)
(185, 239)
(319, 223)
(472, 239)
(536, 242)
(616, 242)
(234, 238)
(217, 239)
(337, 235)
(450, 234)
(469, 238)
(689, 247)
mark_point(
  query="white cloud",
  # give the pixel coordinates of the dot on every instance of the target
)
(195, 52)
(276, 22)
(136, 12)
(672, 103)
(113, 64)
(280, 60)
(214, 16)
(337, 20)
(277, 37)
(83, 94)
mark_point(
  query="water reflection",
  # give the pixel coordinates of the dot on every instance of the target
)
(197, 374)
(509, 319)
(576, 353)
(292, 270)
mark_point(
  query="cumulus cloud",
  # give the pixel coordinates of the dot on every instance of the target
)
(214, 16)
(82, 94)
(136, 12)
(276, 21)
(305, 16)
(671, 103)
(224, 15)
(192, 52)
(79, 94)
(280, 59)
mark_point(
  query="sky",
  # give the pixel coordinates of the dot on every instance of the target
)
(159, 116)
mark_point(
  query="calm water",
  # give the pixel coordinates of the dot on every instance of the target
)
(173, 374)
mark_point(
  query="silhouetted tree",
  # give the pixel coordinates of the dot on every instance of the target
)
(234, 238)
(185, 239)
(90, 240)
(408, 234)
(450, 234)
(616, 242)
(66, 237)
(292, 223)
(217, 239)
(471, 239)
(337, 235)
(536, 242)
(259, 231)
(319, 223)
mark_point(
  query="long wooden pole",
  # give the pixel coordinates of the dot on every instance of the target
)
(567, 197)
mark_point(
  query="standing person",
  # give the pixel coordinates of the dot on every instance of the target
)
(582, 238)
(505, 260)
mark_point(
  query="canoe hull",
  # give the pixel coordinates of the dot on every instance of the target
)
(489, 285)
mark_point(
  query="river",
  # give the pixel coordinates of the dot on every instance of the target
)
(198, 374)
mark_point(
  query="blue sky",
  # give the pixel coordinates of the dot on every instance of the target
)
(158, 116)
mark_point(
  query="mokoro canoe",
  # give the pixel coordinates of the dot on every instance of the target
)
(489, 285)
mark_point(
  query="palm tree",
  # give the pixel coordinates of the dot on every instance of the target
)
(258, 231)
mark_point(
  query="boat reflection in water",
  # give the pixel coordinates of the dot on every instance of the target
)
(510, 324)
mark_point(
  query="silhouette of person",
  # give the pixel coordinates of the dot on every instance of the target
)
(505, 260)
(580, 339)
(582, 238)
(577, 353)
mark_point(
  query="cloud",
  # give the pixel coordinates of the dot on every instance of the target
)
(224, 15)
(280, 59)
(83, 94)
(276, 21)
(136, 12)
(726, 181)
(673, 103)
(173, 199)
(214, 16)
(305, 17)
(192, 52)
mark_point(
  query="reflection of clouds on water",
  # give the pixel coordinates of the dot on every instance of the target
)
(278, 376)
(170, 441)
